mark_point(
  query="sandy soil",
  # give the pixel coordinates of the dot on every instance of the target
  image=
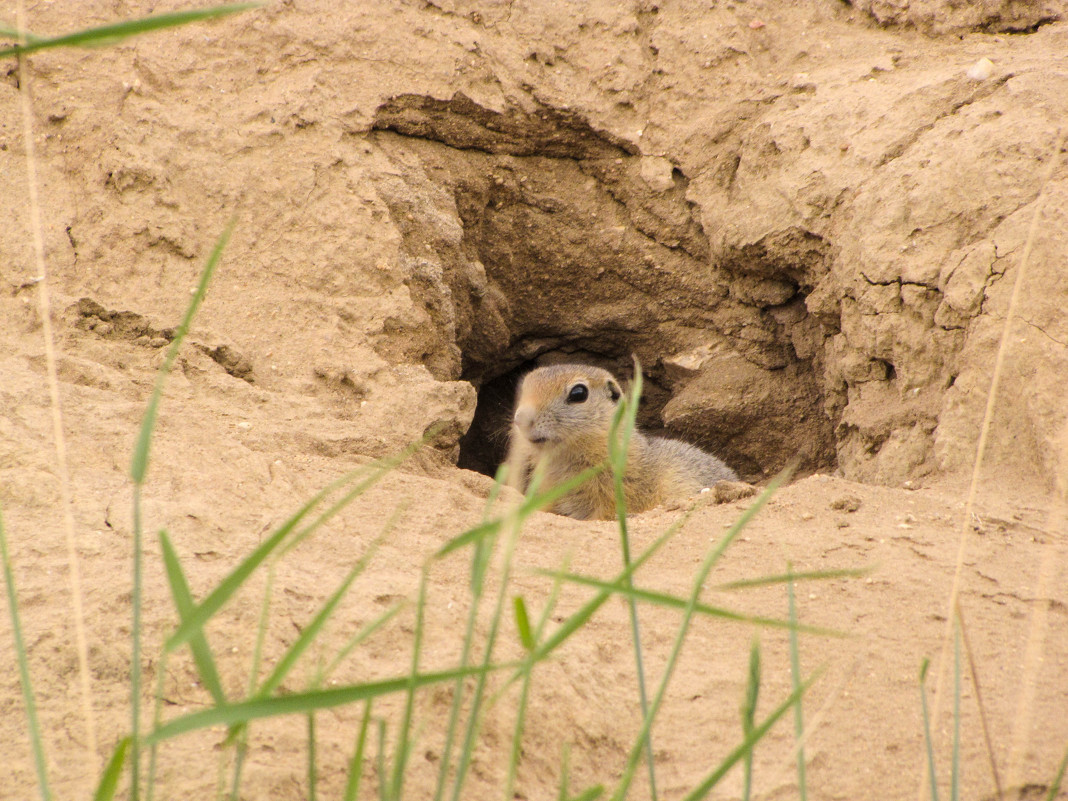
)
(806, 219)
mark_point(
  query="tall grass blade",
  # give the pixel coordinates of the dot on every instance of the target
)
(24, 670)
(527, 673)
(239, 734)
(675, 602)
(578, 619)
(135, 648)
(749, 705)
(747, 744)
(352, 784)
(183, 602)
(954, 774)
(109, 34)
(138, 469)
(16, 35)
(381, 761)
(974, 673)
(311, 757)
(1055, 787)
(795, 678)
(400, 761)
(207, 608)
(480, 557)
(157, 717)
(109, 779)
(784, 578)
(312, 629)
(931, 774)
(698, 583)
(531, 504)
(301, 703)
(619, 436)
(521, 710)
(565, 773)
(474, 719)
(363, 634)
(139, 463)
(522, 623)
(589, 794)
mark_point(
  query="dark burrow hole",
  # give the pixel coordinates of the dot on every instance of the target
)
(535, 239)
(485, 445)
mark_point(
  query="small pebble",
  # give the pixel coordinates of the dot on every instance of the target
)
(981, 69)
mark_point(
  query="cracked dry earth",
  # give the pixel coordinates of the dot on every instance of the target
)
(806, 219)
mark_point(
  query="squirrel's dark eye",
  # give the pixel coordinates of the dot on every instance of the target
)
(578, 394)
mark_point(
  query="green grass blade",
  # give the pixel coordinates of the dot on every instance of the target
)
(522, 623)
(619, 436)
(1055, 787)
(202, 613)
(311, 757)
(520, 721)
(313, 628)
(15, 34)
(352, 784)
(139, 463)
(795, 678)
(238, 735)
(578, 619)
(381, 759)
(138, 469)
(362, 635)
(475, 717)
(590, 793)
(749, 705)
(109, 779)
(400, 761)
(157, 716)
(480, 557)
(472, 535)
(675, 602)
(183, 602)
(524, 694)
(698, 583)
(530, 504)
(565, 773)
(706, 785)
(193, 622)
(108, 34)
(784, 578)
(135, 648)
(24, 670)
(931, 774)
(302, 703)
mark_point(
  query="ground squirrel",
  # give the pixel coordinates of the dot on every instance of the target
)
(562, 416)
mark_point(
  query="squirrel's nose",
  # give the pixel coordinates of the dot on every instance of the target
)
(524, 418)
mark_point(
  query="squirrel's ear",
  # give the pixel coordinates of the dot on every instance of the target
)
(614, 392)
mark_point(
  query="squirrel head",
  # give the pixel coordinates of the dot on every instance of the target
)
(565, 402)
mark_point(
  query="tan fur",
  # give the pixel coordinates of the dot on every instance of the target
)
(568, 437)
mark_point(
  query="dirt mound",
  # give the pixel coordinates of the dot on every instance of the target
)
(806, 220)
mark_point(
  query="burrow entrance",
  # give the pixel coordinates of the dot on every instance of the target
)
(534, 239)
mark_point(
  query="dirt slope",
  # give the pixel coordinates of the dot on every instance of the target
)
(805, 219)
